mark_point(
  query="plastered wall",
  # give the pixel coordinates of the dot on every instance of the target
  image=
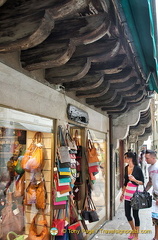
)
(21, 92)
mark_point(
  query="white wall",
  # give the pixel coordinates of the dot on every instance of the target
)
(21, 92)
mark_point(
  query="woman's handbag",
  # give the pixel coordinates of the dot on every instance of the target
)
(141, 200)
(43, 235)
(17, 237)
(33, 159)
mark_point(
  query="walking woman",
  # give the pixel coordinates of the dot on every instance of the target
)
(132, 178)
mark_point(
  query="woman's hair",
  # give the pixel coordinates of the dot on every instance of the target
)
(132, 155)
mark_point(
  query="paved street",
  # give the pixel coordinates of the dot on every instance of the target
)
(119, 223)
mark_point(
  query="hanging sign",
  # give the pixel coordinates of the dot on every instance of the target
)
(77, 115)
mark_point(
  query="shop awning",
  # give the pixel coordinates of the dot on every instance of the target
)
(141, 20)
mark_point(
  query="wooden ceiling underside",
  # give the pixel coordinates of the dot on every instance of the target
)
(81, 44)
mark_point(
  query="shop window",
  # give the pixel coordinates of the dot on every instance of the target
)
(99, 192)
(17, 132)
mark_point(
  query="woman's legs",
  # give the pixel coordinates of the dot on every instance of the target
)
(128, 215)
(137, 223)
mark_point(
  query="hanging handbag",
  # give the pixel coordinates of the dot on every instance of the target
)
(33, 234)
(17, 237)
(89, 213)
(89, 210)
(70, 142)
(75, 227)
(19, 186)
(141, 200)
(92, 153)
(63, 150)
(18, 168)
(12, 216)
(93, 169)
(33, 159)
(36, 193)
(59, 221)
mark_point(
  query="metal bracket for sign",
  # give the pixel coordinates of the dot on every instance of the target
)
(77, 115)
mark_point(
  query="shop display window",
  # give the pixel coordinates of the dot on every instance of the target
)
(17, 210)
(99, 187)
(99, 193)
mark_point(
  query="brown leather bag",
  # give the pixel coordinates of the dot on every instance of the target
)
(36, 193)
(19, 186)
(30, 195)
(41, 195)
(33, 234)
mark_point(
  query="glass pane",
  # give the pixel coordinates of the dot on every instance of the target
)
(17, 131)
(98, 193)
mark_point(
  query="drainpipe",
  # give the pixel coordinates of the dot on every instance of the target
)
(112, 182)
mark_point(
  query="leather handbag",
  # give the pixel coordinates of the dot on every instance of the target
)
(92, 153)
(63, 150)
(91, 150)
(17, 237)
(36, 193)
(141, 200)
(33, 159)
(12, 217)
(64, 154)
(19, 186)
(70, 142)
(33, 234)
(89, 210)
(89, 213)
(59, 221)
(93, 169)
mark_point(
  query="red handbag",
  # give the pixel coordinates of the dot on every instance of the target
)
(93, 169)
(59, 222)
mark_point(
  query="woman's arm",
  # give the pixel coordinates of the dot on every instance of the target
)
(133, 179)
(122, 195)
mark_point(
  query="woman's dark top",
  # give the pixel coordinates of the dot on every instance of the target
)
(137, 173)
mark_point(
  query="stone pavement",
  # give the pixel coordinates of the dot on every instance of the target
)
(119, 224)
